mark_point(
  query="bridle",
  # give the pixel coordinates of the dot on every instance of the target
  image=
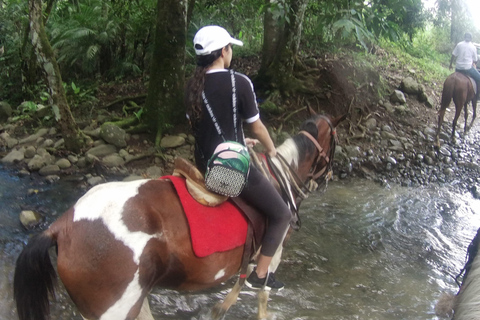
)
(325, 172)
(288, 179)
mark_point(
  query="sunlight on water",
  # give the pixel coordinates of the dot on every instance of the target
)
(364, 252)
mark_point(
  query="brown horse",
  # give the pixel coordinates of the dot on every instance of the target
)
(460, 88)
(121, 239)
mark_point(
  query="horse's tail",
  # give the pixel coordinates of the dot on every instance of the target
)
(34, 278)
(447, 92)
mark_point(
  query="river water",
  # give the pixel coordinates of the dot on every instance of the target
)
(365, 251)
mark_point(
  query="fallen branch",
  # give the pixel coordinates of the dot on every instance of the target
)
(138, 157)
(111, 104)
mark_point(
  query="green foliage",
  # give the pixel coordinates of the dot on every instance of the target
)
(13, 19)
(100, 37)
(242, 18)
(343, 22)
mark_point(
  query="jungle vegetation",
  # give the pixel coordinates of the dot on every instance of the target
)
(57, 52)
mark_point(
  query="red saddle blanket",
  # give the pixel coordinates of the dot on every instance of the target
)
(213, 229)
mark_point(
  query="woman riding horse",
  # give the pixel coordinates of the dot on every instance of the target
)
(122, 239)
(213, 46)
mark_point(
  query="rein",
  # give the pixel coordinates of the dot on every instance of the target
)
(287, 178)
(326, 172)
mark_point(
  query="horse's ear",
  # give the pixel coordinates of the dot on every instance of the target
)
(311, 112)
(339, 119)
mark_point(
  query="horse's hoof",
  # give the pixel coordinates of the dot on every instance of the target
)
(218, 312)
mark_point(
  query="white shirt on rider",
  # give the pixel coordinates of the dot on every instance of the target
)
(466, 55)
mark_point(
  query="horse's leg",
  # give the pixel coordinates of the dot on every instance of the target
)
(465, 110)
(441, 114)
(145, 313)
(263, 295)
(458, 110)
(474, 106)
(262, 304)
(220, 309)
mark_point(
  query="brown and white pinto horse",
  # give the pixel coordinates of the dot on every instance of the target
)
(458, 87)
(121, 239)
(467, 301)
(466, 304)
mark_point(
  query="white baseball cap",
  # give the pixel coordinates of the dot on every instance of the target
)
(211, 38)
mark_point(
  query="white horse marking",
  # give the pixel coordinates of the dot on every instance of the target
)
(120, 309)
(220, 274)
(289, 151)
(106, 202)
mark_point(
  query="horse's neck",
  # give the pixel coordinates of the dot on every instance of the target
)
(467, 304)
(289, 151)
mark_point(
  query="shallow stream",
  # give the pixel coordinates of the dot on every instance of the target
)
(364, 252)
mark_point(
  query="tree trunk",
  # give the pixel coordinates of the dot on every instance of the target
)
(46, 59)
(164, 104)
(281, 44)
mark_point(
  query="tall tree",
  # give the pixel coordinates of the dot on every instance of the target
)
(46, 59)
(282, 34)
(167, 71)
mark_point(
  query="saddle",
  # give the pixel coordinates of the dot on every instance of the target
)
(474, 83)
(195, 183)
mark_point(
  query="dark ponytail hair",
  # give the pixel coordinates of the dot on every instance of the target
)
(197, 84)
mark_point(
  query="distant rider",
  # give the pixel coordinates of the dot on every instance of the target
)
(465, 57)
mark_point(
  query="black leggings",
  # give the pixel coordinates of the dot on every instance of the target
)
(261, 194)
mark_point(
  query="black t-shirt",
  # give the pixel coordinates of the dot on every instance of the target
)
(218, 90)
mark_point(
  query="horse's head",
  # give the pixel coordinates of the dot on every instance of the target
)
(316, 145)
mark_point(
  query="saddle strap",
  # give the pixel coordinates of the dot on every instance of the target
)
(247, 255)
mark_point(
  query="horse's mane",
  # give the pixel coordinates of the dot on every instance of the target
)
(472, 252)
(296, 148)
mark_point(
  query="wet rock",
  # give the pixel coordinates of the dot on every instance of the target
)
(469, 165)
(72, 158)
(133, 177)
(388, 135)
(444, 151)
(93, 133)
(391, 160)
(52, 178)
(40, 133)
(113, 134)
(49, 170)
(30, 219)
(36, 163)
(475, 190)
(9, 141)
(59, 143)
(154, 172)
(30, 152)
(429, 132)
(89, 159)
(14, 156)
(448, 171)
(172, 141)
(113, 160)
(102, 150)
(93, 181)
(5, 111)
(353, 151)
(47, 143)
(63, 163)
